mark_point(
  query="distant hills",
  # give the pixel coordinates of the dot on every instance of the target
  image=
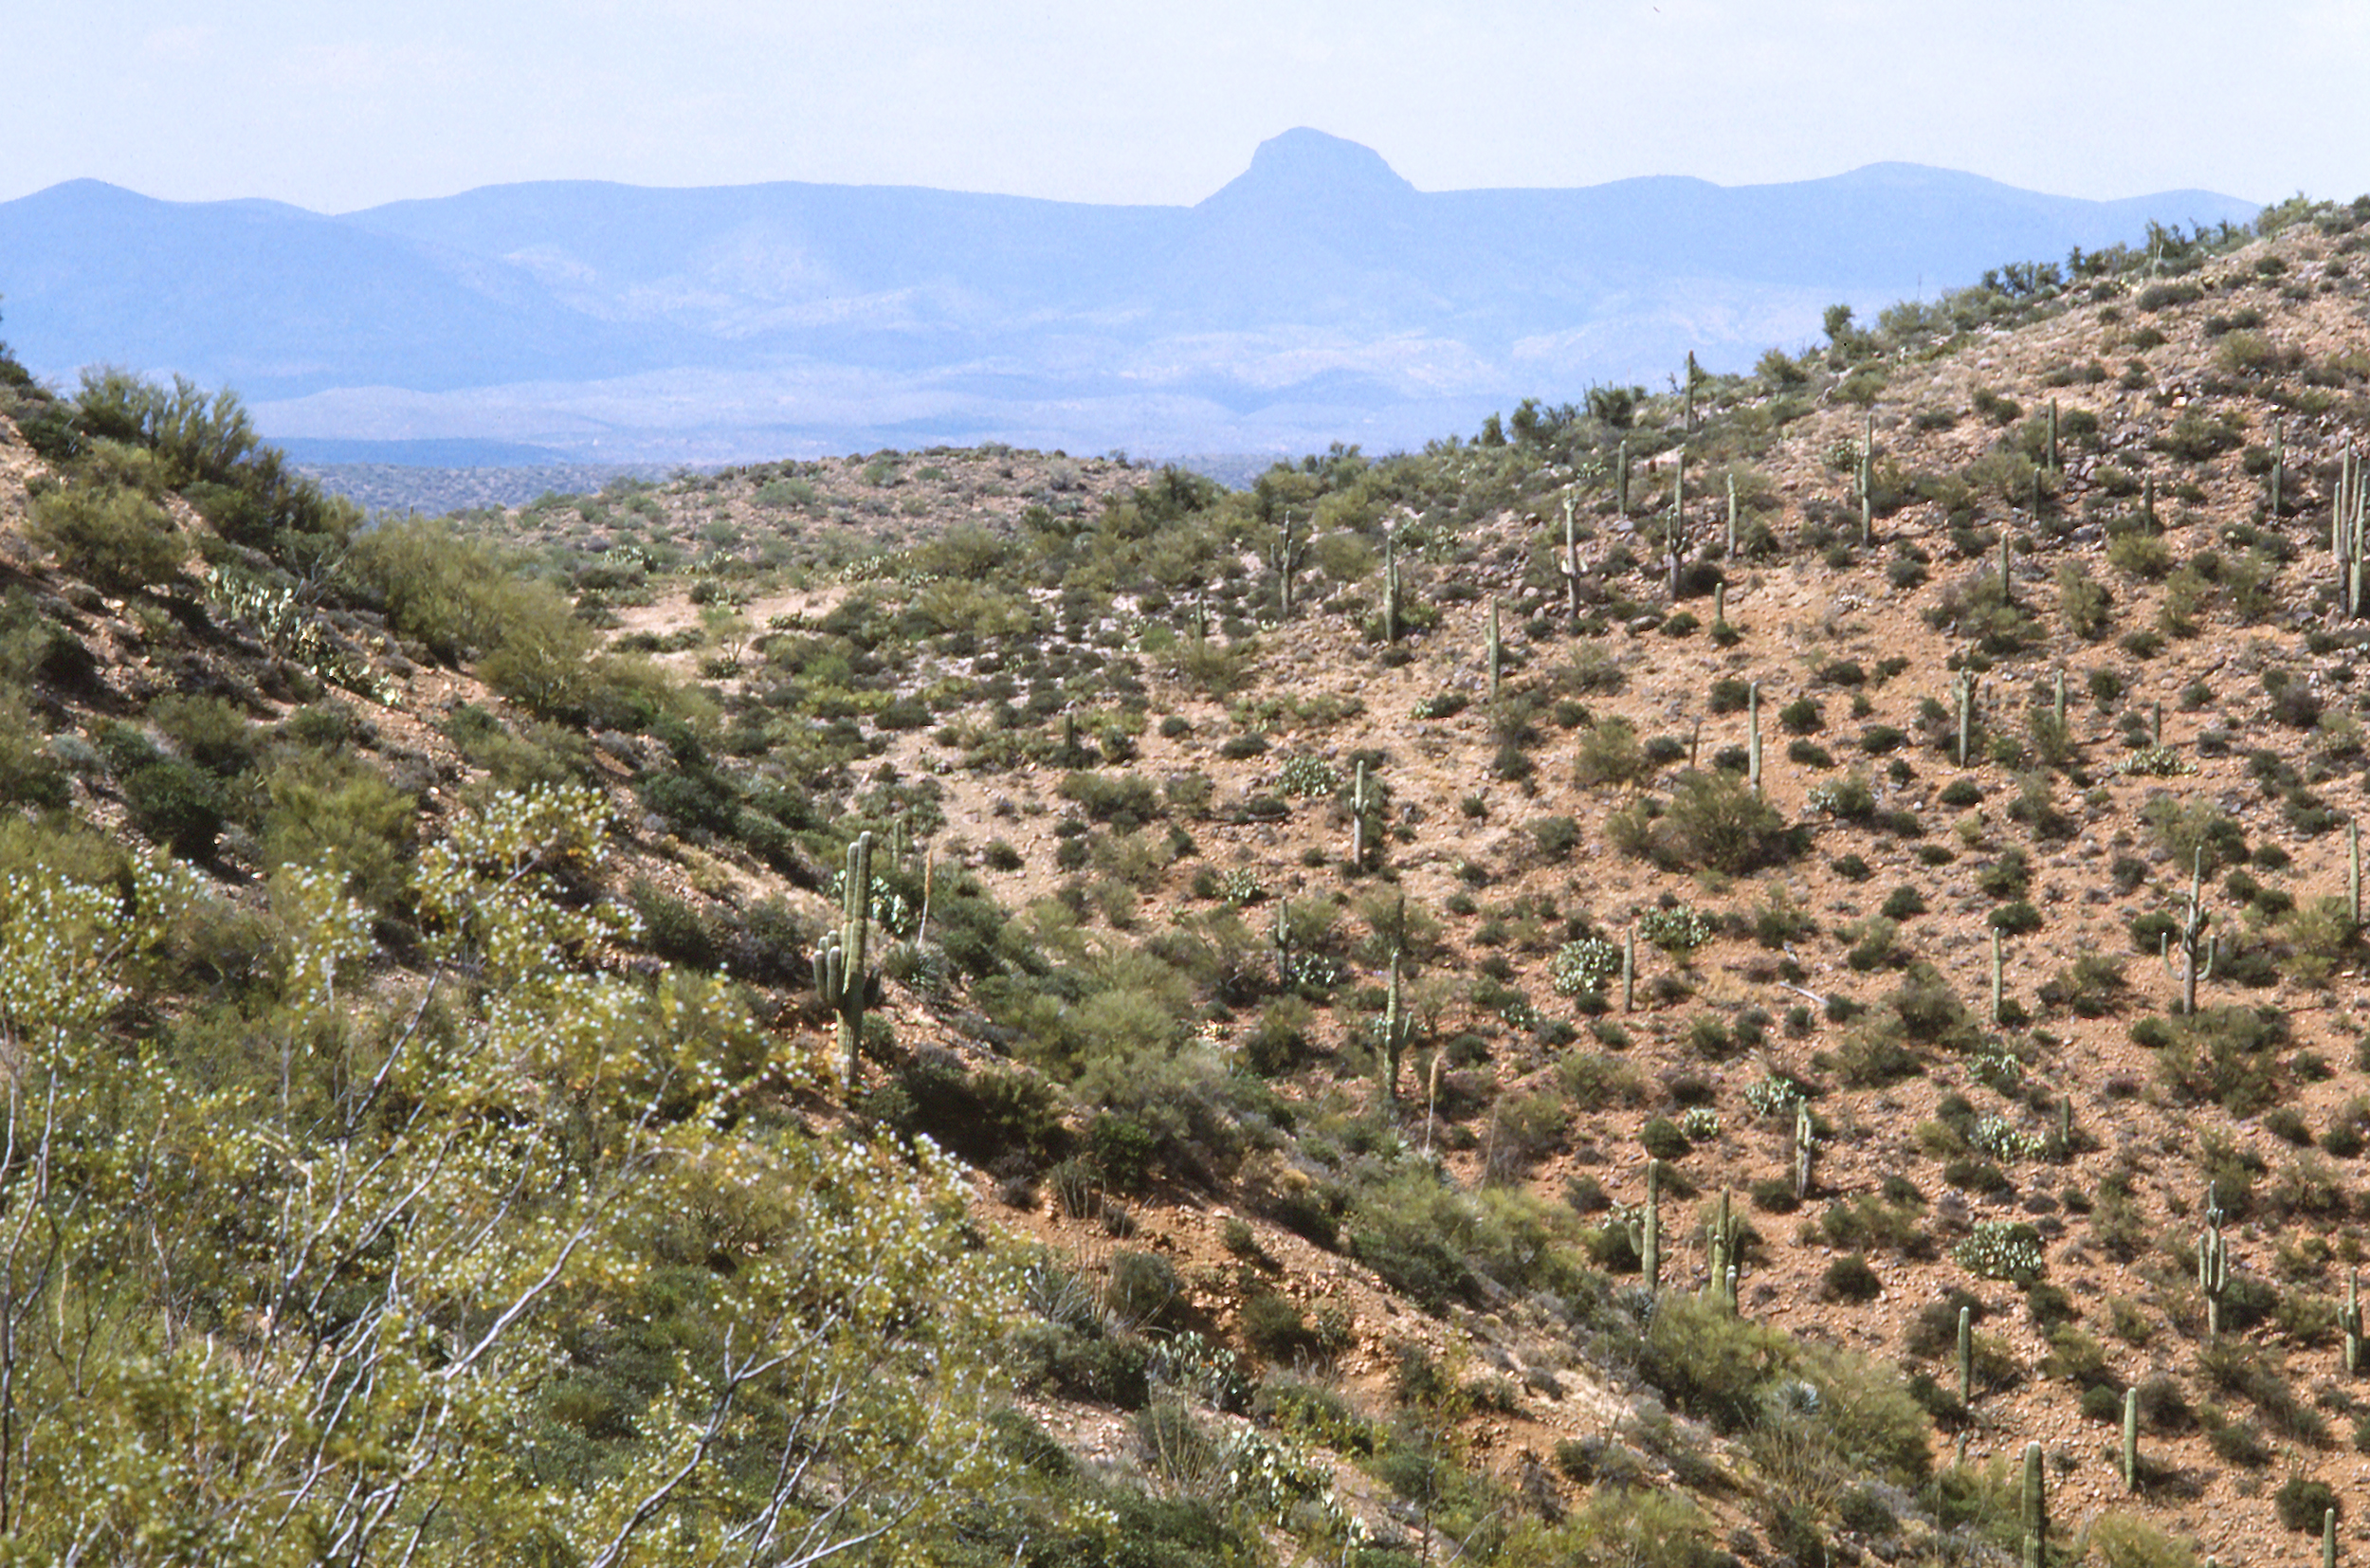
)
(1317, 297)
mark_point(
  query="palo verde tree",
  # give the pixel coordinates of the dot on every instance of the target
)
(351, 1306)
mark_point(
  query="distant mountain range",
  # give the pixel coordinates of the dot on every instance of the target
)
(1319, 297)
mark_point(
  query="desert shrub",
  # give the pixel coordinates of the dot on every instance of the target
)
(1610, 753)
(2089, 987)
(1125, 800)
(2125, 1541)
(31, 773)
(1556, 836)
(1593, 1081)
(1663, 1139)
(1708, 1364)
(673, 928)
(1143, 1288)
(2226, 1056)
(118, 538)
(1851, 1279)
(176, 804)
(1716, 820)
(2197, 436)
(2301, 1502)
(2083, 601)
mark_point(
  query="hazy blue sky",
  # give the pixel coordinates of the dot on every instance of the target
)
(341, 103)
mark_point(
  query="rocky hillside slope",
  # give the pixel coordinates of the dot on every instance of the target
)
(1341, 923)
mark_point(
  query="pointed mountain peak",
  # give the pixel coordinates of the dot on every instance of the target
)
(1308, 168)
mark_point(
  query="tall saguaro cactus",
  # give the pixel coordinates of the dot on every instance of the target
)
(1361, 811)
(1287, 562)
(1805, 1149)
(2188, 951)
(839, 977)
(1867, 479)
(2000, 981)
(2036, 1510)
(1395, 1032)
(2350, 1320)
(1645, 1229)
(1571, 562)
(2213, 1266)
(1677, 538)
(1389, 589)
(1724, 1245)
(1966, 688)
(2353, 869)
(1753, 734)
(2131, 1439)
(1497, 650)
(1966, 1355)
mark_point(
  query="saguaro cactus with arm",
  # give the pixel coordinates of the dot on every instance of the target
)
(839, 979)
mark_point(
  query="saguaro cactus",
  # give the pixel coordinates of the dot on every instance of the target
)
(1629, 971)
(1753, 734)
(1967, 1356)
(1805, 1149)
(1571, 562)
(1284, 942)
(1867, 479)
(2036, 1510)
(2188, 952)
(2350, 1320)
(1677, 539)
(839, 979)
(2053, 464)
(1999, 978)
(1621, 479)
(1389, 589)
(1496, 649)
(2213, 1266)
(1394, 1033)
(2353, 869)
(2131, 1439)
(1645, 1229)
(2328, 1538)
(1728, 551)
(1287, 561)
(1361, 808)
(1723, 1239)
(1966, 688)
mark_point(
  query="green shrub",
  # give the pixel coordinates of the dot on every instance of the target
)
(1716, 820)
(1662, 1138)
(2227, 1056)
(2301, 1503)
(328, 809)
(31, 774)
(1610, 753)
(1851, 1279)
(672, 928)
(176, 804)
(117, 537)
(1710, 1364)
